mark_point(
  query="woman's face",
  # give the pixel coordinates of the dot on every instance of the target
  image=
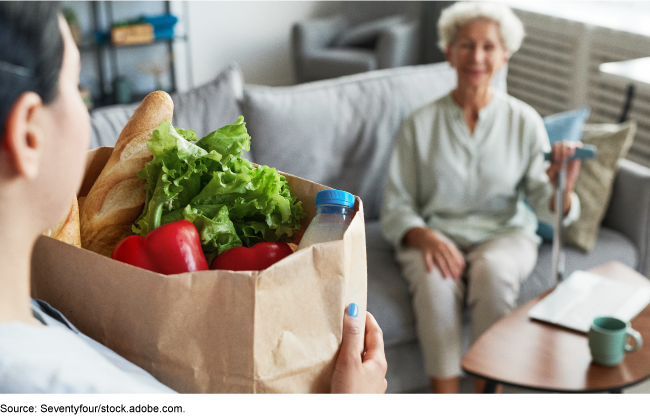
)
(67, 135)
(477, 53)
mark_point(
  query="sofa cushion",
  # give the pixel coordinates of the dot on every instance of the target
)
(340, 132)
(611, 245)
(212, 105)
(375, 238)
(389, 299)
(204, 108)
(406, 369)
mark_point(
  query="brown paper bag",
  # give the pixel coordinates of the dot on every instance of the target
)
(277, 330)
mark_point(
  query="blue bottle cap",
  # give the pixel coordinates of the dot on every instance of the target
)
(335, 197)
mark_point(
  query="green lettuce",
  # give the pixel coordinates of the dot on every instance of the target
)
(208, 182)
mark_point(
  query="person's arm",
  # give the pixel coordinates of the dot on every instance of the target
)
(399, 210)
(438, 251)
(562, 151)
(540, 176)
(361, 365)
(401, 221)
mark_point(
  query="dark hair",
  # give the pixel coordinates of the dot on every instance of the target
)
(31, 52)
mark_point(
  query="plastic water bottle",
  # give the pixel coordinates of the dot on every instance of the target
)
(333, 217)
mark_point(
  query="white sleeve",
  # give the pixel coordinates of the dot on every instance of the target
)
(55, 360)
(400, 211)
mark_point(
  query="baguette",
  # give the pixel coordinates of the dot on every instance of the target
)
(117, 197)
(67, 230)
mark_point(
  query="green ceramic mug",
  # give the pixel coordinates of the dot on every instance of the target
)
(608, 340)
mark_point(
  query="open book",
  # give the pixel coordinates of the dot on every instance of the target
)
(583, 296)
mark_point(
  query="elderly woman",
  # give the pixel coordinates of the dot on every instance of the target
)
(465, 172)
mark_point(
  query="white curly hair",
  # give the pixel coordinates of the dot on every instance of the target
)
(461, 13)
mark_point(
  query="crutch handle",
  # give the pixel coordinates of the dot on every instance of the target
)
(587, 151)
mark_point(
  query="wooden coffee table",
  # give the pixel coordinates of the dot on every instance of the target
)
(521, 352)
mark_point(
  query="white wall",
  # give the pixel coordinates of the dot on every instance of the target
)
(255, 34)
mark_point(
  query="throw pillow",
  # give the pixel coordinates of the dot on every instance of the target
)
(594, 184)
(562, 126)
(566, 125)
(366, 33)
(212, 105)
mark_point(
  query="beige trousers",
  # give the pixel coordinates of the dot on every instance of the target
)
(489, 287)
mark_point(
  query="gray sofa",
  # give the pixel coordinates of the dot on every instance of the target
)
(340, 133)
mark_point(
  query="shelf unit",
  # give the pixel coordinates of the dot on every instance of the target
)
(106, 54)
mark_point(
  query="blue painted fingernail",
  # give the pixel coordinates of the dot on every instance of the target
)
(353, 310)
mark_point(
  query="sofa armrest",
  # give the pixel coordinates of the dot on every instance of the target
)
(398, 45)
(311, 35)
(629, 208)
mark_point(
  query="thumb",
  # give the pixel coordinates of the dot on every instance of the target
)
(353, 332)
(374, 340)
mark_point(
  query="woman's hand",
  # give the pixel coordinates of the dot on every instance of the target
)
(562, 151)
(438, 252)
(357, 371)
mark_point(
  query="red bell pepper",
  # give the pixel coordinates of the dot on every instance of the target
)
(168, 249)
(258, 257)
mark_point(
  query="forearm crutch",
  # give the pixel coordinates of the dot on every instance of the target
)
(584, 152)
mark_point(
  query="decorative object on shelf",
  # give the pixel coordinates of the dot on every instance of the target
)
(132, 32)
(71, 17)
(122, 91)
(156, 69)
(143, 29)
(102, 38)
(163, 25)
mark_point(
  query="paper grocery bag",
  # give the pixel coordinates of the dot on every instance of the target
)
(278, 330)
